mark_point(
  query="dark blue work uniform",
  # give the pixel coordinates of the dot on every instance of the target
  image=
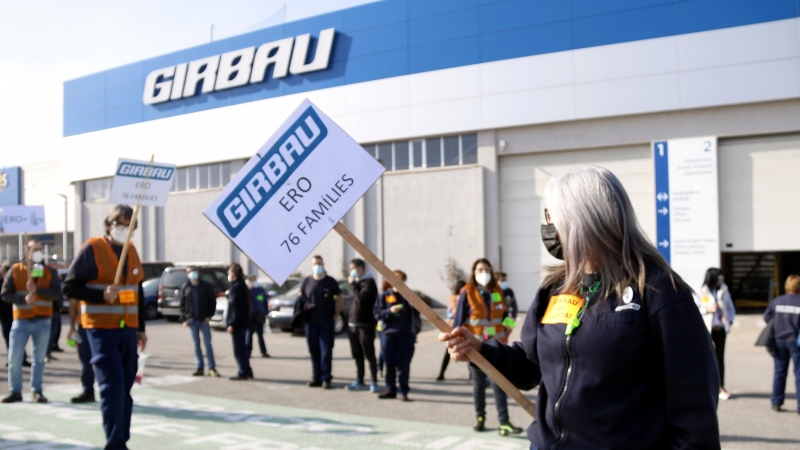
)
(239, 320)
(784, 312)
(397, 338)
(636, 375)
(322, 295)
(110, 349)
(258, 315)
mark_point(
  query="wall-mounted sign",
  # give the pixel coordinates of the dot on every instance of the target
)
(238, 68)
(141, 182)
(23, 219)
(10, 179)
(687, 205)
(293, 191)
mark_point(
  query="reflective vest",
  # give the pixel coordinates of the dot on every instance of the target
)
(41, 306)
(481, 322)
(119, 315)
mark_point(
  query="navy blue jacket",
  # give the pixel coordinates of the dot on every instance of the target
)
(784, 312)
(84, 269)
(239, 306)
(197, 302)
(258, 306)
(400, 323)
(643, 376)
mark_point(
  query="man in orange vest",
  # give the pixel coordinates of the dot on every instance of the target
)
(31, 298)
(113, 316)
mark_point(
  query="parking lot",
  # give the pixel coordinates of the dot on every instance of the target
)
(277, 410)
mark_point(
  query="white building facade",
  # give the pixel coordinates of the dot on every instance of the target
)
(471, 106)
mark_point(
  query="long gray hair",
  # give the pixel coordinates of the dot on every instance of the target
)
(596, 224)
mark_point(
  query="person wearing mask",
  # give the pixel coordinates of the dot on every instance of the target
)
(361, 326)
(7, 317)
(322, 300)
(111, 314)
(718, 311)
(239, 321)
(508, 294)
(198, 304)
(399, 337)
(784, 312)
(258, 316)
(482, 310)
(452, 304)
(613, 337)
(30, 288)
(78, 335)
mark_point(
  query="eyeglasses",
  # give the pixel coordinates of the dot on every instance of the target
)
(547, 217)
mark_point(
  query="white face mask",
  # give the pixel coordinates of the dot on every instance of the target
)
(483, 278)
(119, 233)
(37, 256)
(230, 279)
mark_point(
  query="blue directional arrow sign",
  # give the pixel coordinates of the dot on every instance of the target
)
(661, 158)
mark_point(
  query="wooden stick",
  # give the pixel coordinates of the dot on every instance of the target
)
(434, 318)
(124, 255)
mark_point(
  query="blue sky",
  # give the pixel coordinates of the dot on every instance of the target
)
(44, 43)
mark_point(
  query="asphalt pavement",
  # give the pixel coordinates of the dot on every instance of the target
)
(277, 410)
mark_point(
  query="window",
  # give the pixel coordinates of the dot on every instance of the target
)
(433, 152)
(445, 151)
(191, 178)
(214, 175)
(180, 176)
(469, 149)
(385, 155)
(417, 155)
(401, 156)
(202, 177)
(225, 173)
(97, 189)
(451, 153)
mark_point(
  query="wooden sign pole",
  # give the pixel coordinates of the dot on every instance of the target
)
(434, 318)
(123, 256)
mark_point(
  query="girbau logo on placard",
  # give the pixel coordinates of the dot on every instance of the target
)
(264, 179)
(135, 170)
(238, 68)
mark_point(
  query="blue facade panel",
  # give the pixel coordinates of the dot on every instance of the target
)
(401, 37)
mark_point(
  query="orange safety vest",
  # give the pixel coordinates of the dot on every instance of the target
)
(480, 319)
(41, 306)
(105, 315)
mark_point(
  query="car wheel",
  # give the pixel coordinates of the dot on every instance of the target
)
(338, 325)
(151, 311)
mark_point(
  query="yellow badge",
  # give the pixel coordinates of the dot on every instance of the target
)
(705, 299)
(127, 296)
(391, 299)
(562, 309)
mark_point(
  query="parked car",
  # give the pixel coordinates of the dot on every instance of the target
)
(173, 279)
(281, 308)
(150, 288)
(221, 313)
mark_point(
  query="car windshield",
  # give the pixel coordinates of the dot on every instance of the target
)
(293, 292)
(174, 278)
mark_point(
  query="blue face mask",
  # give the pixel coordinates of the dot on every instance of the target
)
(194, 275)
(504, 285)
(354, 273)
(318, 269)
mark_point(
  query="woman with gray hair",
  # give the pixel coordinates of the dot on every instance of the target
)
(613, 337)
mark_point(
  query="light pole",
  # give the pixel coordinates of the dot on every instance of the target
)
(65, 236)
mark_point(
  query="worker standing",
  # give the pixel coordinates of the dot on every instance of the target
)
(258, 316)
(31, 298)
(110, 314)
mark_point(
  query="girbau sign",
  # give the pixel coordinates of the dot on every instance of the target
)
(238, 68)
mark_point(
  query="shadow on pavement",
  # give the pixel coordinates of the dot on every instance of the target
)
(758, 439)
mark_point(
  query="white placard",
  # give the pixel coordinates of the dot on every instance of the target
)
(293, 191)
(687, 205)
(141, 182)
(23, 219)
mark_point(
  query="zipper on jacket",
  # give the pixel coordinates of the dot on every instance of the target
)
(557, 405)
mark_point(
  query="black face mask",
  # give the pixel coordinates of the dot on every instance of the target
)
(551, 242)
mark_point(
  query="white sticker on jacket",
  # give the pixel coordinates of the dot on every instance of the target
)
(633, 306)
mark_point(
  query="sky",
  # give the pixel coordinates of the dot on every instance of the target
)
(44, 43)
